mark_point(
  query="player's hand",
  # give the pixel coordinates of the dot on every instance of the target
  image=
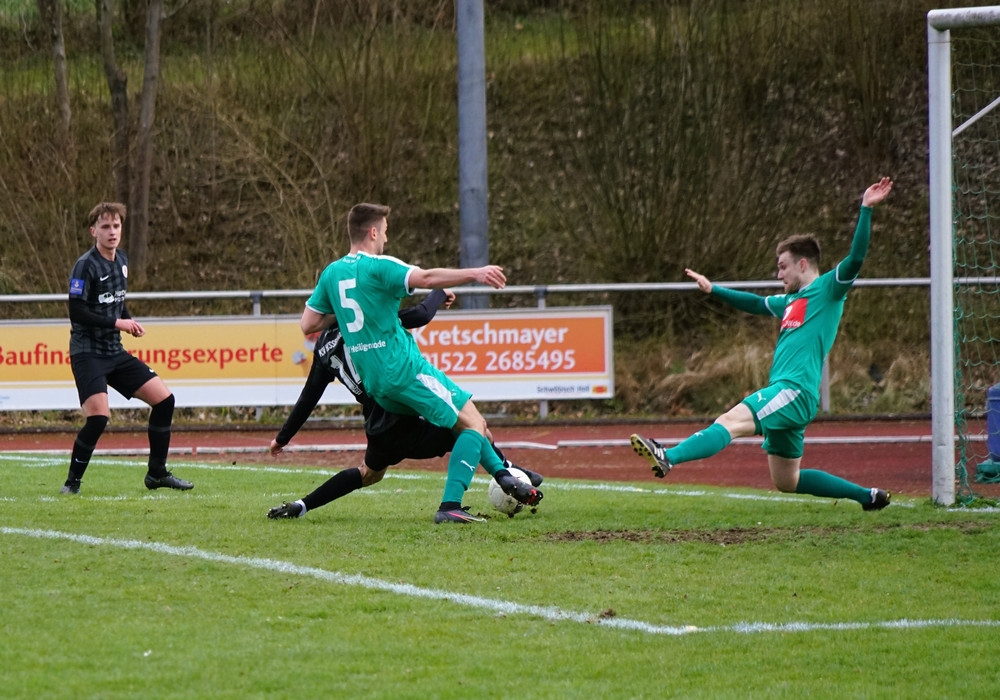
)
(275, 448)
(130, 326)
(877, 192)
(449, 298)
(492, 275)
(703, 282)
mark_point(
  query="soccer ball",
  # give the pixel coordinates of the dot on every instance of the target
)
(501, 501)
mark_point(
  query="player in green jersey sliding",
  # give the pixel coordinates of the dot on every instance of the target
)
(361, 293)
(810, 311)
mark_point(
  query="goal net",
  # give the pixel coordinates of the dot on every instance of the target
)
(964, 134)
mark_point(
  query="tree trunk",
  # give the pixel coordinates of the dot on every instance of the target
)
(51, 14)
(139, 246)
(118, 87)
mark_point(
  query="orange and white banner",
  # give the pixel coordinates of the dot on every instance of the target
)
(524, 354)
(264, 360)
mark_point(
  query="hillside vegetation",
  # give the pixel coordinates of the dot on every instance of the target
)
(627, 141)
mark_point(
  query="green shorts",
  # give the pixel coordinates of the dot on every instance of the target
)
(430, 394)
(781, 413)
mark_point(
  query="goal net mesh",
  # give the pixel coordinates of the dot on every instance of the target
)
(976, 218)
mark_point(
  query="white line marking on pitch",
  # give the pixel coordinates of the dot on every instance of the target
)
(31, 461)
(500, 607)
(568, 485)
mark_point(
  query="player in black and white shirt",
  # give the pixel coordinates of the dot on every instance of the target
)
(391, 437)
(98, 316)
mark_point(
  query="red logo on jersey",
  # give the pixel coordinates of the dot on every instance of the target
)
(795, 315)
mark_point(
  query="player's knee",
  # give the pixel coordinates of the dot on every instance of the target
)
(786, 484)
(162, 413)
(370, 476)
(92, 430)
(469, 418)
(476, 422)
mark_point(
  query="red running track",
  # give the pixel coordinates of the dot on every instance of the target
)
(890, 454)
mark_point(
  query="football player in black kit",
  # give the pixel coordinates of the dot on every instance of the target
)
(98, 317)
(391, 437)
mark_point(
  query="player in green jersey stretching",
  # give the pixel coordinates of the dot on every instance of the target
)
(810, 311)
(361, 293)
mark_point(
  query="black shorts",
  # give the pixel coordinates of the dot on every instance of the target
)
(412, 437)
(124, 373)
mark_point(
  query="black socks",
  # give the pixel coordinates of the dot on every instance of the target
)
(83, 446)
(160, 418)
(340, 484)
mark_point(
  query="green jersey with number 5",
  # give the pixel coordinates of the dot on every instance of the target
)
(364, 292)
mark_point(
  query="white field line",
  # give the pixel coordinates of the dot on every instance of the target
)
(30, 460)
(524, 445)
(830, 440)
(498, 607)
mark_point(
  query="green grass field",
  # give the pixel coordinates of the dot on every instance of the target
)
(608, 591)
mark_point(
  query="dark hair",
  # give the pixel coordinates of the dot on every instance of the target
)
(801, 246)
(362, 218)
(106, 208)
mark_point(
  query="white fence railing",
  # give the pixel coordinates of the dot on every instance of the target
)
(539, 291)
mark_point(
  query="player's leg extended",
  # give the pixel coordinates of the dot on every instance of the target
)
(711, 440)
(737, 422)
(384, 450)
(783, 414)
(789, 478)
(337, 486)
(340, 484)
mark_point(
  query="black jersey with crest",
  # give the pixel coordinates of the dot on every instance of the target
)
(329, 364)
(97, 299)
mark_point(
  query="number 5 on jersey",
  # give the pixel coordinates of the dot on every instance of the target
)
(348, 303)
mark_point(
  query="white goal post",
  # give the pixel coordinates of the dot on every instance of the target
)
(941, 133)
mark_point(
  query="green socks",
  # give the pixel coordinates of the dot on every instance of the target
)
(818, 483)
(470, 447)
(814, 482)
(704, 443)
(491, 458)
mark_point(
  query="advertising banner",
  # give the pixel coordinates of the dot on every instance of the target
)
(263, 360)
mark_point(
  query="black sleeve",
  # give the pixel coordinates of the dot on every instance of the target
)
(422, 313)
(80, 313)
(311, 393)
(125, 313)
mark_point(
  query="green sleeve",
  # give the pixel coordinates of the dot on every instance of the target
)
(744, 301)
(849, 267)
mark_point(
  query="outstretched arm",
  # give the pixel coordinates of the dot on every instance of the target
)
(744, 301)
(310, 395)
(441, 277)
(850, 266)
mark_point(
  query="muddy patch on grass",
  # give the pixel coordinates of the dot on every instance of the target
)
(747, 535)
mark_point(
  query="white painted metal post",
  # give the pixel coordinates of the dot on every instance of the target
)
(942, 290)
